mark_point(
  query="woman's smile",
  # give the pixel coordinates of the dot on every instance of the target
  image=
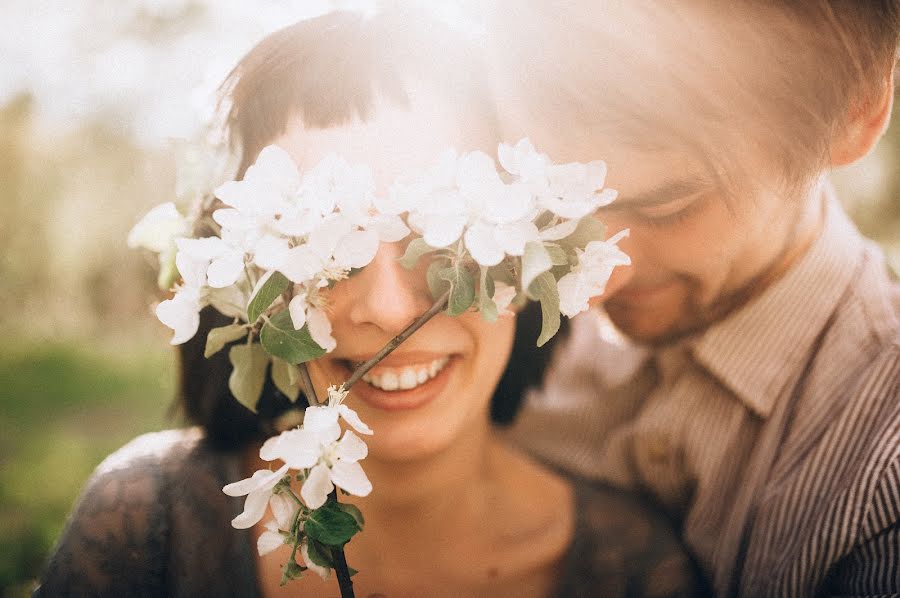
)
(401, 382)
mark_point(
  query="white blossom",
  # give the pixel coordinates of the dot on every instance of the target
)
(589, 277)
(258, 489)
(270, 540)
(317, 446)
(158, 229)
(571, 190)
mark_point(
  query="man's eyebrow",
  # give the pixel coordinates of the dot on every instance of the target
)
(664, 193)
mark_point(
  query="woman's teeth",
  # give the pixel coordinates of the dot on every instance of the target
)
(407, 377)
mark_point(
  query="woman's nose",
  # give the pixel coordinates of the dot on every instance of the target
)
(387, 295)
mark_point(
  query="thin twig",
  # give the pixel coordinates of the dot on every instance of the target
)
(360, 371)
(341, 569)
(307, 387)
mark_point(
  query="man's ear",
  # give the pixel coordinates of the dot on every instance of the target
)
(865, 126)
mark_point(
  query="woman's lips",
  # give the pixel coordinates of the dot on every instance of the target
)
(410, 398)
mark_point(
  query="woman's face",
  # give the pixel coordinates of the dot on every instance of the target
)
(433, 391)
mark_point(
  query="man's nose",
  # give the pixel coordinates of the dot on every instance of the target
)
(387, 295)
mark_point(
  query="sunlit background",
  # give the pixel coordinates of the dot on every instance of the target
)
(94, 96)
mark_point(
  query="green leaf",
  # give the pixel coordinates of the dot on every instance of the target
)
(282, 376)
(503, 272)
(353, 512)
(535, 262)
(281, 340)
(558, 255)
(486, 304)
(416, 249)
(544, 289)
(219, 337)
(462, 289)
(330, 525)
(319, 553)
(267, 293)
(290, 571)
(588, 229)
(437, 285)
(249, 373)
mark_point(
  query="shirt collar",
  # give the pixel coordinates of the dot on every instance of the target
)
(755, 350)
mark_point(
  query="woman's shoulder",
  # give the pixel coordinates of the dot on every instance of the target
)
(121, 534)
(626, 545)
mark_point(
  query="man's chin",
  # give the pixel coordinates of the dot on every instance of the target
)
(649, 327)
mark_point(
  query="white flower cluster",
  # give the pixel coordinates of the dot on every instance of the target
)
(315, 228)
(324, 459)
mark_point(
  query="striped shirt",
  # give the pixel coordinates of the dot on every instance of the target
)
(773, 437)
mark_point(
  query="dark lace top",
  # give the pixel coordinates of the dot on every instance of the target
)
(153, 521)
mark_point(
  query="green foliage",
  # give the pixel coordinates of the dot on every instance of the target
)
(353, 511)
(286, 376)
(319, 553)
(535, 262)
(267, 293)
(436, 284)
(544, 289)
(331, 525)
(249, 373)
(416, 249)
(486, 304)
(219, 337)
(63, 408)
(290, 571)
(462, 288)
(281, 340)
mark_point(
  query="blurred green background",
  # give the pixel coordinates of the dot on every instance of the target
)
(84, 365)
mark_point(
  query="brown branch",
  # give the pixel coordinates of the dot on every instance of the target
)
(341, 569)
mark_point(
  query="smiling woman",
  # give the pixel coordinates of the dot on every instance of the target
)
(456, 513)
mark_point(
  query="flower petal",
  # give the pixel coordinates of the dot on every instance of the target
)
(283, 509)
(254, 509)
(320, 329)
(225, 270)
(389, 229)
(352, 418)
(356, 249)
(299, 448)
(351, 448)
(270, 252)
(181, 313)
(316, 487)
(301, 264)
(269, 541)
(512, 237)
(322, 421)
(158, 228)
(319, 570)
(573, 295)
(351, 478)
(482, 244)
(324, 239)
(297, 308)
(261, 479)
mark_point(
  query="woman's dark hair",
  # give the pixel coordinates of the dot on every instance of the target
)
(329, 71)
